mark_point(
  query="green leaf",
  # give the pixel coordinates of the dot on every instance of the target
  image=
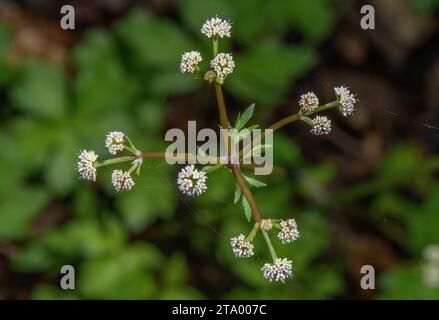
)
(313, 18)
(41, 90)
(175, 271)
(425, 7)
(255, 183)
(303, 250)
(100, 75)
(423, 224)
(34, 139)
(195, 12)
(401, 160)
(121, 276)
(143, 35)
(152, 198)
(59, 174)
(172, 82)
(238, 194)
(242, 120)
(243, 133)
(286, 151)
(247, 209)
(48, 292)
(17, 210)
(265, 72)
(406, 282)
(151, 115)
(86, 238)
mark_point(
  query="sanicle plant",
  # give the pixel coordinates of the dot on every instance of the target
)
(192, 181)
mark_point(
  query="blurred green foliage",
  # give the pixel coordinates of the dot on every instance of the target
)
(123, 79)
(426, 7)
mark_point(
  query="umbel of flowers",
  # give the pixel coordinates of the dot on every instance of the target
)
(192, 179)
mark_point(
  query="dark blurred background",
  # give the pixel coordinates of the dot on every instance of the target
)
(367, 194)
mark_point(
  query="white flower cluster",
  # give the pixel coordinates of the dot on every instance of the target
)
(289, 231)
(223, 65)
(191, 181)
(241, 248)
(308, 102)
(122, 180)
(346, 100)
(114, 142)
(320, 125)
(85, 165)
(216, 27)
(266, 225)
(280, 270)
(190, 61)
(430, 268)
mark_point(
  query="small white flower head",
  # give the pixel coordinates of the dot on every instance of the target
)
(430, 275)
(223, 65)
(191, 181)
(346, 99)
(114, 141)
(266, 225)
(210, 76)
(85, 165)
(216, 27)
(279, 271)
(431, 253)
(289, 231)
(122, 180)
(241, 248)
(308, 102)
(190, 61)
(320, 125)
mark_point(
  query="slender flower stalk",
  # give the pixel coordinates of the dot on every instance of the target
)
(114, 161)
(270, 246)
(224, 119)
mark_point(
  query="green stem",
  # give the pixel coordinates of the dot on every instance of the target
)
(253, 233)
(276, 126)
(221, 106)
(283, 122)
(329, 105)
(189, 157)
(114, 161)
(133, 167)
(132, 150)
(247, 193)
(270, 246)
(236, 170)
(215, 46)
(224, 119)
